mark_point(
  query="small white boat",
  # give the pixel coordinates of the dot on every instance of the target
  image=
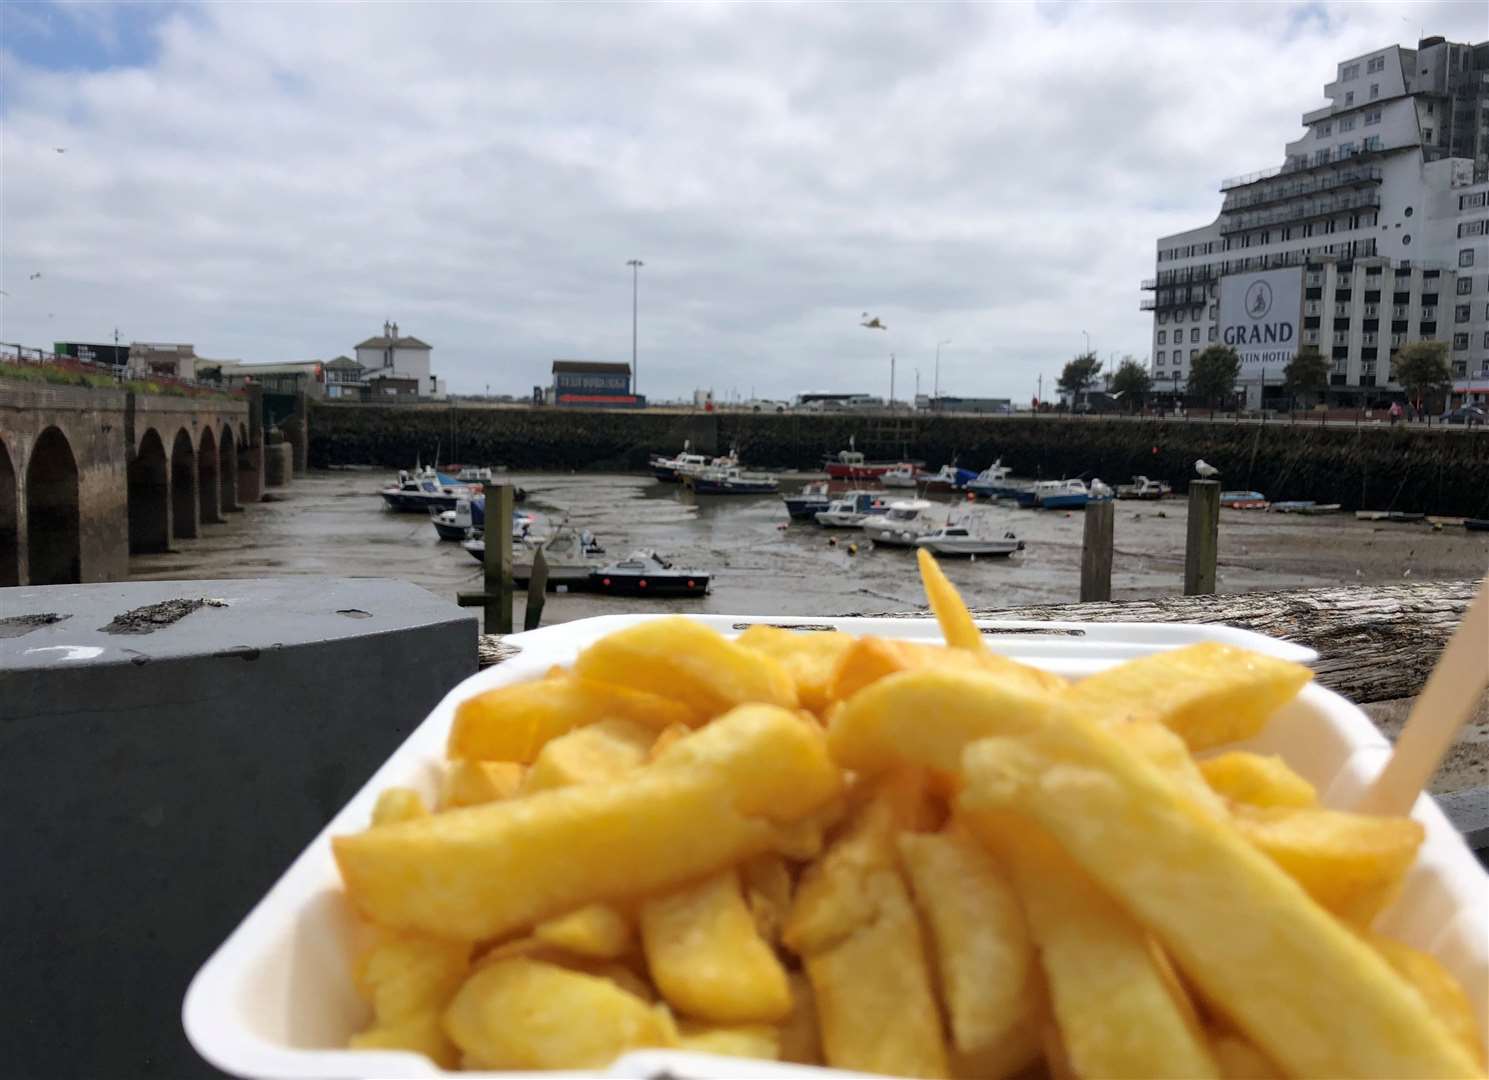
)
(903, 524)
(484, 474)
(569, 553)
(1143, 488)
(851, 509)
(901, 476)
(958, 540)
(991, 481)
(1061, 494)
(730, 481)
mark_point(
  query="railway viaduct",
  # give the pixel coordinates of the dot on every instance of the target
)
(89, 475)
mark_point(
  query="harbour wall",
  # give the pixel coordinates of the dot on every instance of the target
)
(1372, 466)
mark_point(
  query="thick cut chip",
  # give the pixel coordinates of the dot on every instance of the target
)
(706, 956)
(707, 802)
(870, 659)
(809, 657)
(397, 804)
(858, 933)
(1239, 1060)
(1443, 993)
(1209, 693)
(469, 782)
(421, 1033)
(689, 663)
(928, 717)
(984, 957)
(951, 613)
(761, 1041)
(596, 754)
(404, 975)
(1352, 864)
(1310, 994)
(524, 1014)
(1119, 1013)
(665, 738)
(515, 722)
(1257, 779)
(595, 931)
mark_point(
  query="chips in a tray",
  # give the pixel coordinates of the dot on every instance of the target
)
(890, 858)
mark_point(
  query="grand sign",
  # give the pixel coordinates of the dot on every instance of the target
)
(1261, 316)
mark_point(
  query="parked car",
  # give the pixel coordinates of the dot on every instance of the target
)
(1464, 414)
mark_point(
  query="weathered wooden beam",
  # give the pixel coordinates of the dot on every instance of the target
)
(537, 591)
(1096, 552)
(1202, 541)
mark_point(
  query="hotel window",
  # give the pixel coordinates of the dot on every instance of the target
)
(1349, 71)
(1486, 344)
(1374, 90)
(1460, 313)
(1460, 341)
(1179, 316)
(1375, 63)
(1465, 257)
(1473, 199)
(1160, 356)
(1162, 338)
(1347, 123)
(1429, 108)
(1349, 97)
(1427, 135)
(1347, 149)
(1193, 353)
(1212, 333)
(1465, 286)
(1372, 116)
(1372, 142)
(1323, 130)
(1213, 309)
(1162, 317)
(1194, 336)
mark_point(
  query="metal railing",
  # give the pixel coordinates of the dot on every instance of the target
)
(1301, 211)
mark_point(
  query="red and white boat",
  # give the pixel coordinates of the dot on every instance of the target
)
(850, 465)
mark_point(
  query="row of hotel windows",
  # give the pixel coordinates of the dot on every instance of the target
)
(1472, 228)
(1312, 228)
(1186, 251)
(1460, 341)
(1195, 313)
(1473, 200)
(1352, 71)
(1179, 336)
(1347, 123)
(1178, 356)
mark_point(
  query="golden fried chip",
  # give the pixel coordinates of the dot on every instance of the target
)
(809, 657)
(800, 1041)
(514, 722)
(422, 1033)
(595, 931)
(1352, 864)
(1257, 779)
(595, 754)
(951, 613)
(1442, 992)
(523, 1014)
(706, 956)
(1210, 693)
(469, 782)
(487, 871)
(1314, 998)
(761, 1041)
(870, 659)
(688, 663)
(397, 804)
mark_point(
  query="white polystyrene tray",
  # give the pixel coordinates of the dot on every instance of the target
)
(276, 999)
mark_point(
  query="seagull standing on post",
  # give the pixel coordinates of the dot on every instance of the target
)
(1205, 469)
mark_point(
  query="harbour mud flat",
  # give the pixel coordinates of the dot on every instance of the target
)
(333, 522)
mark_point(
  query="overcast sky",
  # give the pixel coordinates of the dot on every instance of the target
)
(271, 181)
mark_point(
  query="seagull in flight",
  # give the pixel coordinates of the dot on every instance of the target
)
(872, 324)
(1205, 469)
(60, 149)
(34, 276)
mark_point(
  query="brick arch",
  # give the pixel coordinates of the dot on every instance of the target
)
(227, 468)
(183, 486)
(53, 516)
(207, 482)
(10, 520)
(150, 496)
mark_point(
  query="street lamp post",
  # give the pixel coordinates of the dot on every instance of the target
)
(936, 386)
(635, 265)
(1088, 339)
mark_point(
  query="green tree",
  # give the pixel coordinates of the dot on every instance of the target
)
(1422, 369)
(1212, 377)
(1078, 376)
(1307, 373)
(1132, 381)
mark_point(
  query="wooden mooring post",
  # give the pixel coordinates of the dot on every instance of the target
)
(1202, 541)
(1096, 552)
(537, 591)
(496, 596)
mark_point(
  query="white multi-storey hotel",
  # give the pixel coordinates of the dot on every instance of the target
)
(1374, 232)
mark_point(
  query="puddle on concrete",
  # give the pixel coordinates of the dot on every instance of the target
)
(18, 625)
(153, 617)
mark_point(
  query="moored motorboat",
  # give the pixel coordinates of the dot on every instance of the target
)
(1389, 515)
(457, 522)
(569, 554)
(851, 509)
(1476, 524)
(849, 464)
(902, 524)
(423, 490)
(991, 482)
(901, 476)
(946, 478)
(670, 470)
(960, 541)
(1143, 488)
(1302, 506)
(1243, 500)
(808, 502)
(645, 573)
(1060, 495)
(730, 481)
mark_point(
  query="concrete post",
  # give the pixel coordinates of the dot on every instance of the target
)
(298, 433)
(1202, 542)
